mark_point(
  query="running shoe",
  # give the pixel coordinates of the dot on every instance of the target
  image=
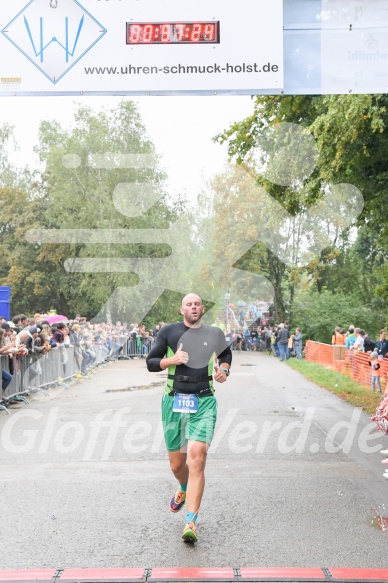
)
(178, 501)
(190, 533)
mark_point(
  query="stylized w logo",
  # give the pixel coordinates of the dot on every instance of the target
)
(54, 39)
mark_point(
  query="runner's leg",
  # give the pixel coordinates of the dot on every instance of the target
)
(196, 460)
(179, 466)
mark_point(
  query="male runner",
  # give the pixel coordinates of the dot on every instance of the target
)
(189, 408)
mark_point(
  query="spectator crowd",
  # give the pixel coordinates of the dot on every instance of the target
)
(26, 339)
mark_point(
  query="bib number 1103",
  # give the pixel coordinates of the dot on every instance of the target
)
(185, 403)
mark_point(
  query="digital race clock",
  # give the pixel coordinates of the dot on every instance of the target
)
(148, 33)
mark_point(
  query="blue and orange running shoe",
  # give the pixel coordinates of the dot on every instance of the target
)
(190, 533)
(178, 501)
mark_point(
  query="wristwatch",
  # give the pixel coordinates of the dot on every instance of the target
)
(225, 370)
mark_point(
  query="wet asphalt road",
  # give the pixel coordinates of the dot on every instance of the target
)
(85, 480)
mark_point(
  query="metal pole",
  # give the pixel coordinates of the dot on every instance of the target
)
(227, 297)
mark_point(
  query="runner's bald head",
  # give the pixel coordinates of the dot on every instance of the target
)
(192, 310)
(191, 297)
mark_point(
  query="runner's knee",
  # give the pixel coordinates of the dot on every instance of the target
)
(196, 462)
(177, 466)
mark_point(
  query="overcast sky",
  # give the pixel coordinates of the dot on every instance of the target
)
(181, 128)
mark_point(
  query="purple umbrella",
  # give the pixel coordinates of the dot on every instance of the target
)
(56, 319)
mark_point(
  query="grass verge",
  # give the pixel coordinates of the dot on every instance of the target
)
(337, 383)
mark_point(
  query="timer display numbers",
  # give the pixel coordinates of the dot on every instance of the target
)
(149, 33)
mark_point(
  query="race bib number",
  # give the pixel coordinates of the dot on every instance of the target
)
(185, 403)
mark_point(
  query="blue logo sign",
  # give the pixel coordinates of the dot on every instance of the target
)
(54, 35)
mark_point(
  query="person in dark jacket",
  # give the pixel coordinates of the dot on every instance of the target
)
(298, 343)
(382, 345)
(369, 344)
(282, 341)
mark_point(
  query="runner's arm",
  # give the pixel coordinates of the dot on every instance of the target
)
(224, 361)
(157, 352)
(225, 358)
(156, 359)
(223, 350)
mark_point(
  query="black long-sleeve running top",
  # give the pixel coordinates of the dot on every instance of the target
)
(201, 344)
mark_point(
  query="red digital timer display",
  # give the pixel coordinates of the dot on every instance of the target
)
(149, 33)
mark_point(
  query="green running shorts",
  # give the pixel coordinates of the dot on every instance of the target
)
(179, 428)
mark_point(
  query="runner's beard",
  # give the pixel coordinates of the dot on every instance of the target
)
(194, 318)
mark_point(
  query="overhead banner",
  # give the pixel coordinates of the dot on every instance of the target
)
(354, 46)
(141, 46)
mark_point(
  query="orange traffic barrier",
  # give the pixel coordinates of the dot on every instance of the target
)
(354, 364)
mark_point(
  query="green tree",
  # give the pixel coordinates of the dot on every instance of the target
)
(21, 265)
(351, 135)
(83, 193)
(317, 314)
(8, 173)
(232, 230)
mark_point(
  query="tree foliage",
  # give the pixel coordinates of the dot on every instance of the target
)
(351, 134)
(235, 225)
(74, 192)
(317, 314)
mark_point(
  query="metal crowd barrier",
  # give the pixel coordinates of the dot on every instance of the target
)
(10, 366)
(116, 348)
(137, 347)
(127, 347)
(32, 373)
